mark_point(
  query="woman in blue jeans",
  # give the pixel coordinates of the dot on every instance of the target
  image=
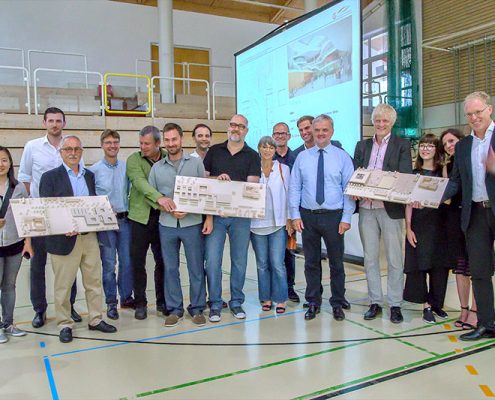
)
(12, 247)
(269, 235)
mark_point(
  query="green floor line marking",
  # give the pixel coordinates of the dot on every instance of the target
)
(390, 371)
(390, 336)
(424, 327)
(244, 371)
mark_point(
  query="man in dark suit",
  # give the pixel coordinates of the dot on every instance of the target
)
(72, 251)
(385, 152)
(473, 157)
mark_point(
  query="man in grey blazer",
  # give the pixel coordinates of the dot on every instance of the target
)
(385, 152)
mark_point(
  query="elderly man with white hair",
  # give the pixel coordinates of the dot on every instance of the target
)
(387, 152)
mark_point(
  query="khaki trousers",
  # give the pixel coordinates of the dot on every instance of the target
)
(84, 255)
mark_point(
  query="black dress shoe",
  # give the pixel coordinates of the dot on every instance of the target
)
(103, 327)
(346, 305)
(39, 320)
(396, 315)
(129, 303)
(372, 312)
(293, 296)
(65, 335)
(74, 315)
(311, 313)
(112, 312)
(338, 314)
(479, 333)
(141, 312)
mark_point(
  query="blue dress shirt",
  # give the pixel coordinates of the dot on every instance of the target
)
(111, 181)
(338, 171)
(78, 183)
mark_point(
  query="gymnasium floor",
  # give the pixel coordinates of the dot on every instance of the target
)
(263, 357)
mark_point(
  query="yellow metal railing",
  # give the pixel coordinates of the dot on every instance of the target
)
(135, 112)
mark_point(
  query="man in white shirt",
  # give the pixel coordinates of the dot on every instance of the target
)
(41, 155)
(201, 135)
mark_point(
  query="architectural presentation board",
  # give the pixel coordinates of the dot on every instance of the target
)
(397, 187)
(216, 197)
(60, 215)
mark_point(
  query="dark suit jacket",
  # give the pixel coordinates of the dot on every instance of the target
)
(56, 183)
(462, 178)
(397, 158)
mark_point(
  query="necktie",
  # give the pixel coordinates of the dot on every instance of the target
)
(320, 180)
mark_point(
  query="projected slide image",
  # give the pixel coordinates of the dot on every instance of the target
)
(321, 59)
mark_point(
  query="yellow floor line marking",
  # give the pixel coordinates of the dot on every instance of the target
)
(471, 370)
(458, 350)
(452, 338)
(487, 391)
(447, 326)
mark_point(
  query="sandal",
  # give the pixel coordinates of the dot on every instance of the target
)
(467, 325)
(266, 306)
(280, 309)
(460, 322)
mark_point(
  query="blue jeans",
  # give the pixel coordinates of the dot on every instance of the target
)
(272, 275)
(238, 231)
(193, 241)
(113, 243)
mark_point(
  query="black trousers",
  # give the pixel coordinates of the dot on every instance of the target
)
(479, 241)
(38, 280)
(316, 227)
(290, 266)
(418, 290)
(142, 237)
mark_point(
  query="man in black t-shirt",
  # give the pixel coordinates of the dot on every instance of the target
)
(232, 160)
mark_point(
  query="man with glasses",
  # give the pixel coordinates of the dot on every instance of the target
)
(377, 219)
(284, 155)
(74, 250)
(474, 156)
(41, 155)
(232, 160)
(111, 181)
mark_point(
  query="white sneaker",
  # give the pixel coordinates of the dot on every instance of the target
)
(215, 316)
(3, 338)
(238, 312)
(13, 330)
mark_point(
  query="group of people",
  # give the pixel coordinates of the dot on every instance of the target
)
(304, 193)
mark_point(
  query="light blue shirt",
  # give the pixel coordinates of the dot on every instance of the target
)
(479, 152)
(302, 187)
(111, 181)
(78, 183)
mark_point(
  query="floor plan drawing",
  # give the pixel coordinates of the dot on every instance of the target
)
(60, 215)
(397, 187)
(216, 197)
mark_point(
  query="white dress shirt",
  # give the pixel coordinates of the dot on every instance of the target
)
(479, 152)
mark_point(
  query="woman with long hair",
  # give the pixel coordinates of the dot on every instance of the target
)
(12, 247)
(456, 242)
(425, 268)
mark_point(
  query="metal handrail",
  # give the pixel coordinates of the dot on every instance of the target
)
(179, 79)
(60, 53)
(15, 49)
(105, 94)
(188, 71)
(213, 86)
(26, 79)
(35, 84)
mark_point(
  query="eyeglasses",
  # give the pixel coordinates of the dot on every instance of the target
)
(280, 133)
(427, 146)
(233, 125)
(72, 149)
(475, 114)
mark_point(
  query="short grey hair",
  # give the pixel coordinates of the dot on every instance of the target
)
(65, 138)
(151, 130)
(384, 110)
(283, 124)
(323, 117)
(242, 116)
(480, 95)
(267, 141)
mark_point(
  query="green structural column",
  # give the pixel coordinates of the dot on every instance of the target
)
(403, 84)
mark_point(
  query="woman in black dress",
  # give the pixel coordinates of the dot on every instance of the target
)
(456, 242)
(425, 266)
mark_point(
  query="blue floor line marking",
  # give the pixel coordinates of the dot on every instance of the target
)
(42, 345)
(176, 334)
(51, 379)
